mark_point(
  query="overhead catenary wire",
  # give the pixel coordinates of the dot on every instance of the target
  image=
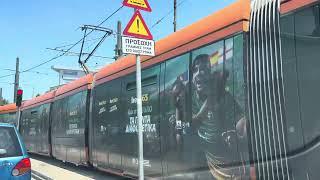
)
(166, 15)
(62, 54)
(90, 45)
(97, 56)
(7, 75)
(7, 69)
(71, 53)
(37, 72)
(63, 46)
(93, 39)
(40, 73)
(6, 83)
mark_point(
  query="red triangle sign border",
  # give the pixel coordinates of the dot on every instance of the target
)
(148, 8)
(126, 30)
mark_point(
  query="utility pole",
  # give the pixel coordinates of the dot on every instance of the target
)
(1, 94)
(16, 80)
(118, 50)
(174, 15)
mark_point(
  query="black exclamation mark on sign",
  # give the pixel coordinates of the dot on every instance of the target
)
(138, 24)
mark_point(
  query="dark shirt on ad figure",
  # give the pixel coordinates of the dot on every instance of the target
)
(218, 119)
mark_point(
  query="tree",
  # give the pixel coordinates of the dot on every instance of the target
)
(3, 102)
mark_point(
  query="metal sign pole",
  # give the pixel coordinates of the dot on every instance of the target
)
(18, 118)
(139, 111)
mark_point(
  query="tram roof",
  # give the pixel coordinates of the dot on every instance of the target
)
(292, 5)
(65, 90)
(43, 99)
(8, 108)
(75, 86)
(223, 23)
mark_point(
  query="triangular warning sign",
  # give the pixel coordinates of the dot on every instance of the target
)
(137, 27)
(138, 4)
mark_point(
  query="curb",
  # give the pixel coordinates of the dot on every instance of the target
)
(38, 176)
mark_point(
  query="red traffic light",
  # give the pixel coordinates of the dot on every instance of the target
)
(19, 92)
(19, 97)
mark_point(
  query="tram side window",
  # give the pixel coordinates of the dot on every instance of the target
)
(34, 122)
(107, 120)
(206, 67)
(3, 118)
(114, 120)
(44, 116)
(290, 75)
(176, 124)
(308, 64)
(8, 118)
(75, 118)
(107, 109)
(238, 71)
(150, 119)
(239, 93)
(218, 105)
(58, 115)
(13, 118)
(25, 123)
(100, 110)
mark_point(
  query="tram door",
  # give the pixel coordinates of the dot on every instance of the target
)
(113, 124)
(150, 121)
(35, 130)
(107, 129)
(44, 116)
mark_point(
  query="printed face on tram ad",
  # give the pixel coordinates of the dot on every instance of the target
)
(214, 126)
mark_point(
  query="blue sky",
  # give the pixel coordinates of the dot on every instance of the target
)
(29, 27)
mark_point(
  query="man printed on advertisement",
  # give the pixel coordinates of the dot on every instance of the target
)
(179, 118)
(216, 116)
(316, 12)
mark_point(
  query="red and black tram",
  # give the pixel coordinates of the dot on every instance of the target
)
(232, 96)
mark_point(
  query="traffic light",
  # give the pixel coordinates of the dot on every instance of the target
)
(19, 97)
